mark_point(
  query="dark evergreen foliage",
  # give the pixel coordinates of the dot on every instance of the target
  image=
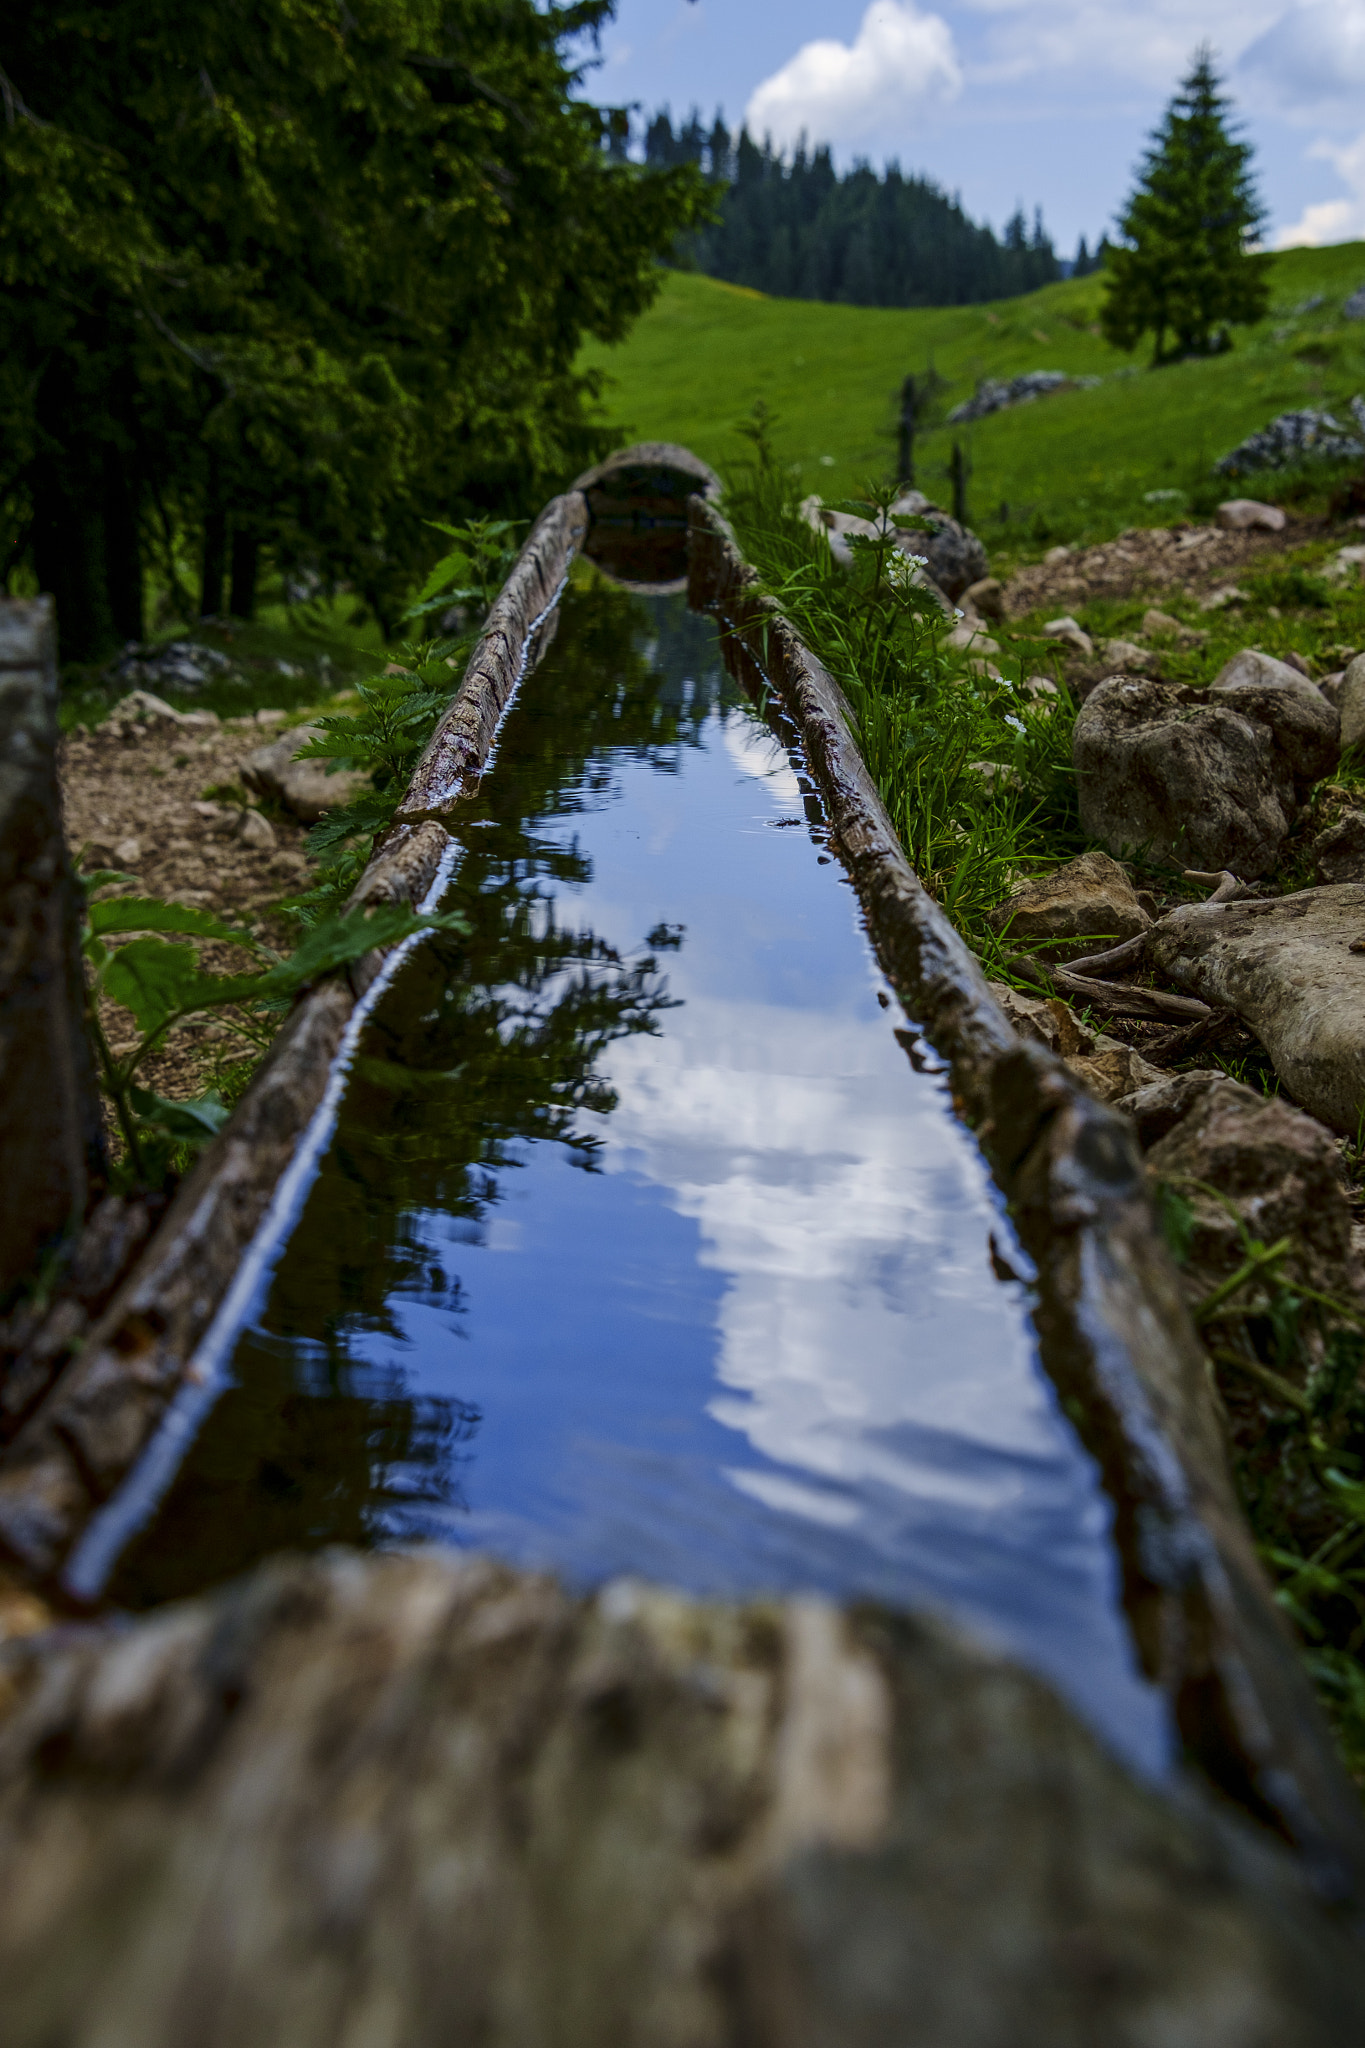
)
(797, 229)
(286, 276)
(1183, 271)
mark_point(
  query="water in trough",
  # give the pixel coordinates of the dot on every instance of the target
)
(647, 1241)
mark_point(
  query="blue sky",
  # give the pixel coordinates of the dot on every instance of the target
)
(1018, 101)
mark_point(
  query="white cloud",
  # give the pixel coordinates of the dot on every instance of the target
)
(1311, 57)
(1136, 47)
(1332, 220)
(841, 93)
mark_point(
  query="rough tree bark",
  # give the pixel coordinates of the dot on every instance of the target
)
(246, 551)
(424, 1801)
(50, 1136)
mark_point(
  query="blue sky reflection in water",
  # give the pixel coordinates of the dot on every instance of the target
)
(720, 1310)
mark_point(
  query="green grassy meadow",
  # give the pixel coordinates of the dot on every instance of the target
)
(1073, 467)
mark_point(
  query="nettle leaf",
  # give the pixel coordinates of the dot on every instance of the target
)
(366, 816)
(154, 979)
(149, 914)
(452, 567)
(335, 941)
(1348, 1494)
(91, 879)
(193, 1123)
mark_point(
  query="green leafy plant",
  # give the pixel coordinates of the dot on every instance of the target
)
(144, 955)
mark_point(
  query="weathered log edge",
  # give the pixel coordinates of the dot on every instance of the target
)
(1114, 1332)
(103, 1413)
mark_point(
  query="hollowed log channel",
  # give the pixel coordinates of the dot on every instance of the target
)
(641, 1245)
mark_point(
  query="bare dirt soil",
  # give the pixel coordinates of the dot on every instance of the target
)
(164, 803)
(1189, 559)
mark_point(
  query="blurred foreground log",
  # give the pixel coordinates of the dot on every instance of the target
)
(419, 1801)
(50, 1136)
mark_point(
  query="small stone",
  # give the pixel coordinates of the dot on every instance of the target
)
(1331, 687)
(256, 832)
(303, 787)
(274, 717)
(1218, 600)
(1039, 686)
(1107, 1066)
(1159, 625)
(1088, 899)
(1128, 656)
(141, 704)
(206, 809)
(128, 853)
(987, 597)
(1251, 667)
(1074, 635)
(1238, 515)
(966, 635)
(1351, 703)
(1055, 555)
(1339, 852)
(1276, 1170)
(1295, 660)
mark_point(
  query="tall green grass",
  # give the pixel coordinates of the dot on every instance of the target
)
(975, 773)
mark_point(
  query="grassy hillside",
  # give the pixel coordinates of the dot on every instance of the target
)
(1071, 467)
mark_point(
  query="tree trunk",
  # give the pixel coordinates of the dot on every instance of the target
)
(68, 522)
(50, 1134)
(123, 545)
(246, 552)
(214, 559)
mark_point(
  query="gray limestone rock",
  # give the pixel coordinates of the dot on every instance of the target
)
(1210, 780)
(1278, 1169)
(1237, 515)
(423, 1801)
(1339, 852)
(1250, 666)
(1287, 968)
(1351, 702)
(1090, 898)
(303, 787)
(1110, 1069)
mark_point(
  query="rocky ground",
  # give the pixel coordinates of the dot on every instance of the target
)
(1191, 559)
(160, 796)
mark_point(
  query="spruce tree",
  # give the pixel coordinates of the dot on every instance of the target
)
(1184, 272)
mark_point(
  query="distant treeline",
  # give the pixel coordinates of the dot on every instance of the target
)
(795, 228)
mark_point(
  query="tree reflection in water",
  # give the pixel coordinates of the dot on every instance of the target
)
(484, 1043)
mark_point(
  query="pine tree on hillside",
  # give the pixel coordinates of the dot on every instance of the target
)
(1183, 271)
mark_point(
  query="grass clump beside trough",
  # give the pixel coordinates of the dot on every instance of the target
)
(1075, 467)
(975, 773)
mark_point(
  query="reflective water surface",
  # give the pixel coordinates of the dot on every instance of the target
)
(642, 1246)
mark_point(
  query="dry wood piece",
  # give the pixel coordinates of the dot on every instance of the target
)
(1112, 999)
(427, 1802)
(1118, 959)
